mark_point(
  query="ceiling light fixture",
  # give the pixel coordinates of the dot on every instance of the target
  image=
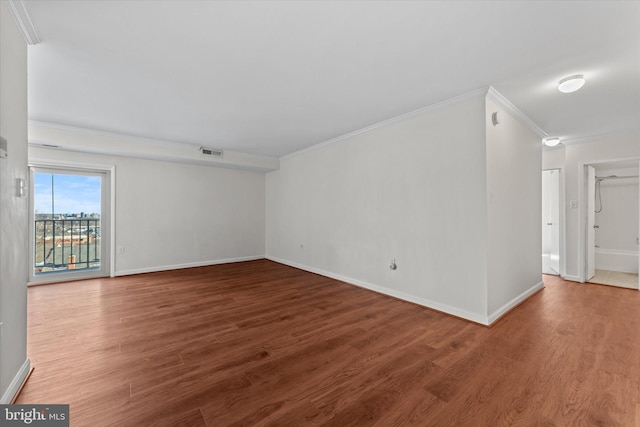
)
(571, 84)
(551, 142)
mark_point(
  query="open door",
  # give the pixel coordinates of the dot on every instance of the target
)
(591, 223)
(551, 222)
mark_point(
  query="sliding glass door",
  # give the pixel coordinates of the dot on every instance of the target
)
(70, 226)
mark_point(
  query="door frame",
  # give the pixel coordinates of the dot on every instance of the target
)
(590, 232)
(108, 220)
(582, 211)
(562, 272)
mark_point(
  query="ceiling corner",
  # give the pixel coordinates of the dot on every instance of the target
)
(24, 21)
(499, 99)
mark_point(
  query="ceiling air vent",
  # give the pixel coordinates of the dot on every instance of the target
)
(213, 152)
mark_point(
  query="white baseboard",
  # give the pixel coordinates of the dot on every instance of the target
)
(186, 265)
(15, 384)
(474, 317)
(514, 302)
(572, 278)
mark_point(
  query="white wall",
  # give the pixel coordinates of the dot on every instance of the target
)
(576, 155)
(618, 220)
(173, 215)
(413, 190)
(14, 364)
(416, 190)
(553, 158)
(514, 157)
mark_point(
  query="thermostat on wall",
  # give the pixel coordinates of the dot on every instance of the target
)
(3, 148)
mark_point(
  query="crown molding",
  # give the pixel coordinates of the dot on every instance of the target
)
(43, 135)
(107, 134)
(498, 98)
(604, 136)
(432, 107)
(24, 21)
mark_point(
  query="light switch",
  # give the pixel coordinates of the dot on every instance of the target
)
(3, 148)
(20, 187)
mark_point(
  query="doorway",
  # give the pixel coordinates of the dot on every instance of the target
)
(613, 224)
(70, 227)
(551, 222)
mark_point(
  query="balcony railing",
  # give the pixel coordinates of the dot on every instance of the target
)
(66, 244)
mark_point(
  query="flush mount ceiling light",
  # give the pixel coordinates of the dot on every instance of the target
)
(551, 142)
(571, 84)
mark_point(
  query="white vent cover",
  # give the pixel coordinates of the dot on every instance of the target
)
(213, 152)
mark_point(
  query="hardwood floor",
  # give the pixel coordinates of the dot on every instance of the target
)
(259, 343)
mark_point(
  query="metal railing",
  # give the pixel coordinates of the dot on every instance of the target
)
(66, 244)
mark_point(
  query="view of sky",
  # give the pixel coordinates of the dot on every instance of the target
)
(72, 193)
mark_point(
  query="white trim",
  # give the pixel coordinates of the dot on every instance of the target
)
(599, 137)
(582, 221)
(467, 315)
(562, 221)
(68, 138)
(514, 302)
(582, 210)
(571, 278)
(112, 223)
(601, 161)
(490, 92)
(116, 135)
(24, 21)
(15, 384)
(436, 106)
(96, 168)
(499, 99)
(186, 265)
(65, 164)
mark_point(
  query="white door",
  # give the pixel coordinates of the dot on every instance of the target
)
(591, 222)
(551, 222)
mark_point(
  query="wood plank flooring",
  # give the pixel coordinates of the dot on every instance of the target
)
(259, 343)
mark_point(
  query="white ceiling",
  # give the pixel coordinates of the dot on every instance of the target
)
(271, 78)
